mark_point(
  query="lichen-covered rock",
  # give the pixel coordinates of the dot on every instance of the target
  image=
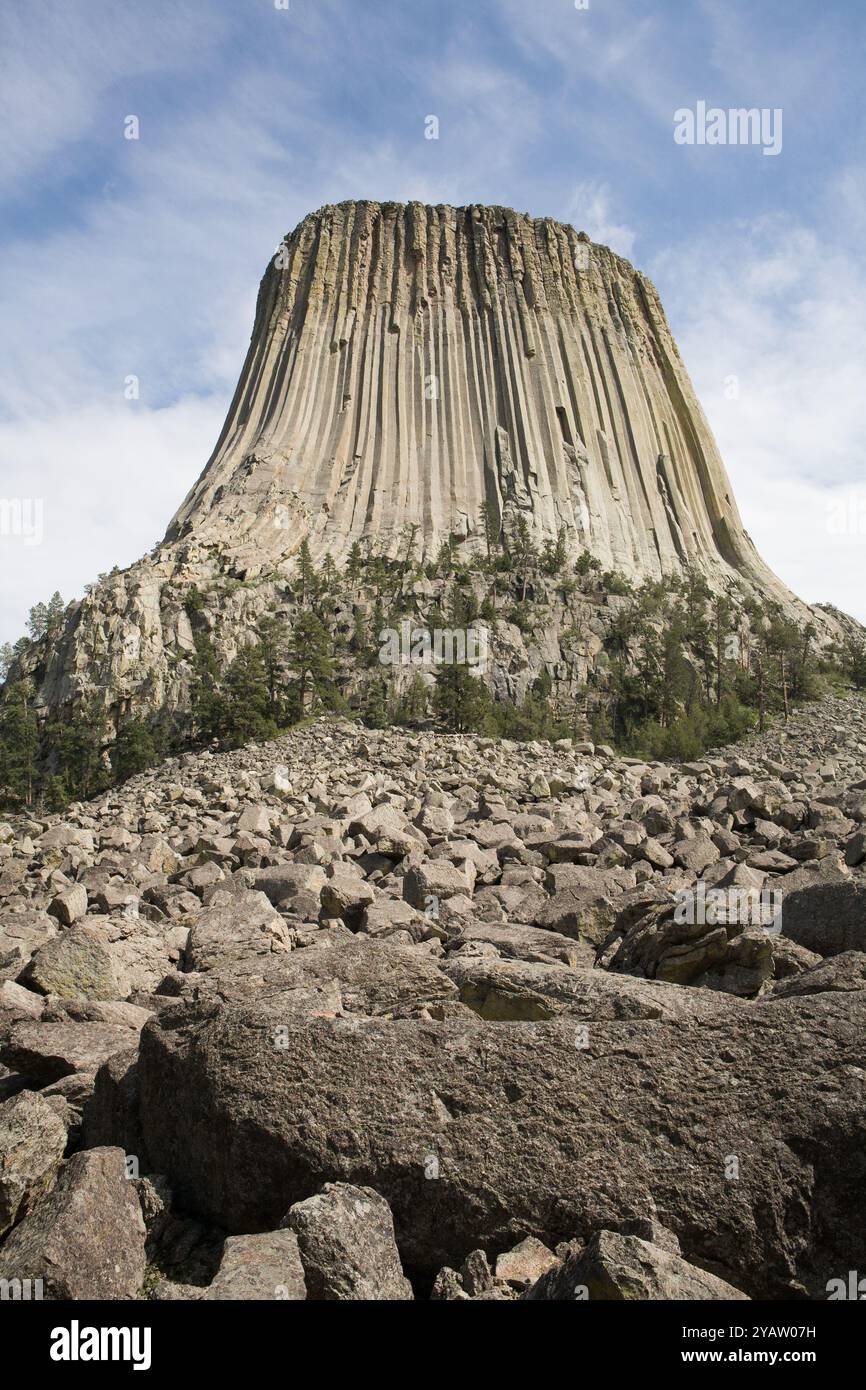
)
(631, 1114)
(85, 1240)
(32, 1144)
(266, 1266)
(346, 1240)
(622, 1268)
(75, 965)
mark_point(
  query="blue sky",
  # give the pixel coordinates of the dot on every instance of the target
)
(142, 258)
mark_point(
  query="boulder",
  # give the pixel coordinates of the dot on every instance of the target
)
(236, 936)
(32, 1144)
(45, 1052)
(847, 971)
(347, 1247)
(255, 820)
(526, 943)
(647, 1116)
(21, 934)
(296, 884)
(266, 1266)
(585, 914)
(525, 1263)
(18, 1002)
(345, 894)
(372, 977)
(622, 1267)
(69, 905)
(512, 991)
(437, 878)
(75, 965)
(827, 917)
(85, 1240)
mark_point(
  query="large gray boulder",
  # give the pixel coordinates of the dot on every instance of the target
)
(32, 1142)
(622, 1268)
(358, 975)
(516, 991)
(86, 1239)
(45, 1052)
(827, 917)
(259, 1267)
(743, 1129)
(347, 1246)
(75, 965)
(526, 943)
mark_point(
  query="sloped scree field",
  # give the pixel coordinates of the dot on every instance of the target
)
(362, 1015)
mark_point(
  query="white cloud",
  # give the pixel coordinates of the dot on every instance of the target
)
(768, 316)
(590, 209)
(56, 78)
(108, 477)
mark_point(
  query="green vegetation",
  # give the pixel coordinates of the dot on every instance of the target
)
(681, 669)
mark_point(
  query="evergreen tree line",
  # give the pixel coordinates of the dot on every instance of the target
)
(682, 670)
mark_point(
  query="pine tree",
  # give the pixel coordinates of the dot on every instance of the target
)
(359, 640)
(7, 656)
(410, 533)
(134, 749)
(306, 574)
(247, 699)
(310, 660)
(854, 662)
(355, 563)
(490, 528)
(413, 704)
(378, 625)
(207, 705)
(54, 614)
(374, 702)
(523, 551)
(722, 618)
(461, 700)
(37, 621)
(586, 564)
(19, 743)
(273, 635)
(444, 562)
(80, 743)
(554, 554)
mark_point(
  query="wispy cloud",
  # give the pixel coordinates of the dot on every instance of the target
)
(769, 317)
(591, 211)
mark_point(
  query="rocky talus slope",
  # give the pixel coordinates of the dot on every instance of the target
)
(361, 1015)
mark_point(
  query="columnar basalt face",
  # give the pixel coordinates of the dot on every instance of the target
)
(410, 364)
